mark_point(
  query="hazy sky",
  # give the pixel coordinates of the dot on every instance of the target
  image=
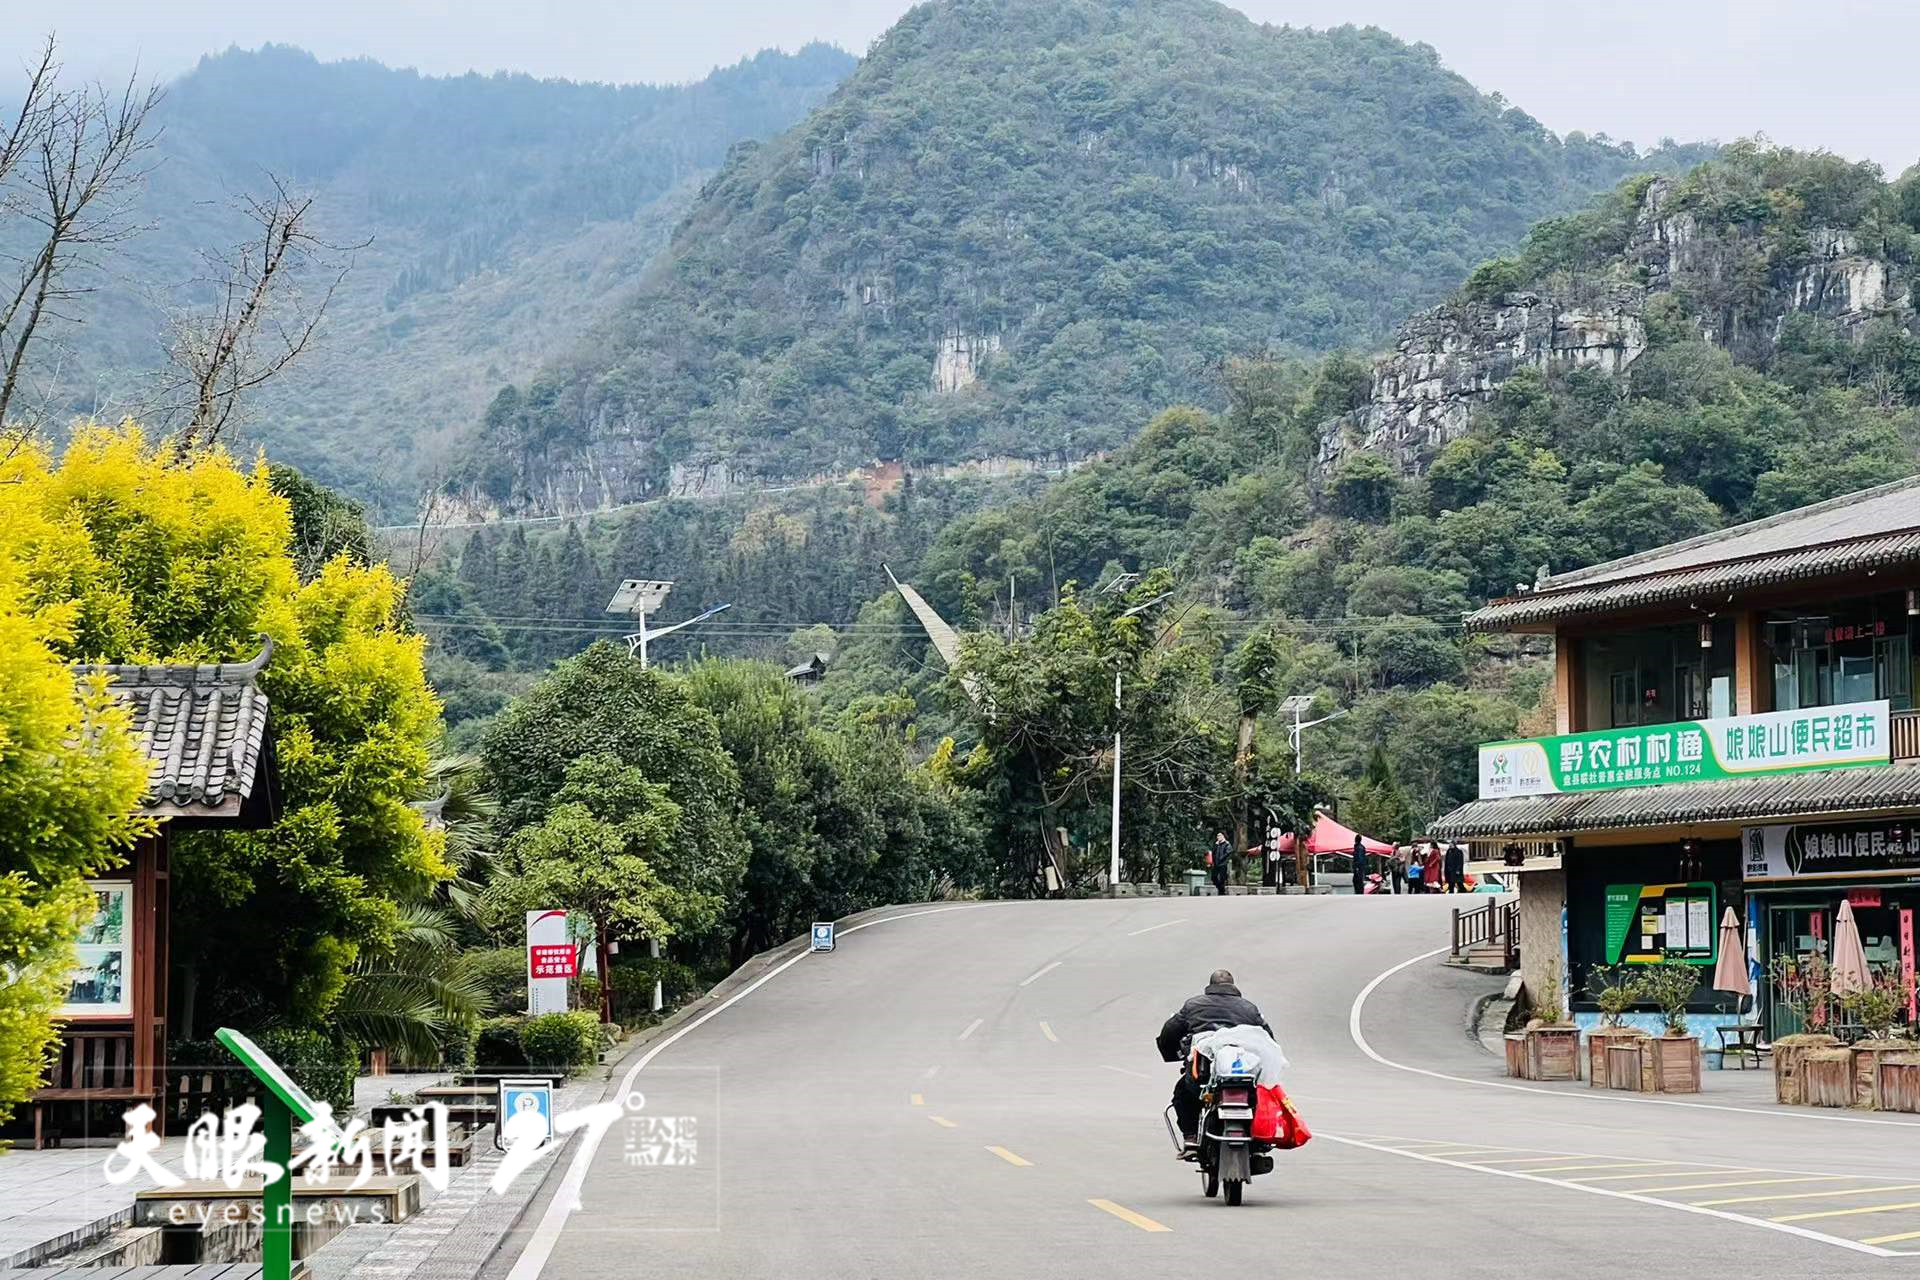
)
(1833, 73)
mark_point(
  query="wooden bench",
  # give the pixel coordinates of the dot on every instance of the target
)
(92, 1066)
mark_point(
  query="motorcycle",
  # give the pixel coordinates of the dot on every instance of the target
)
(1229, 1155)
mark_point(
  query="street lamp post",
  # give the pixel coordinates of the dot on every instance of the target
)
(638, 597)
(1299, 704)
(1113, 855)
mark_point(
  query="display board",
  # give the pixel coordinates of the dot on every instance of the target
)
(1648, 923)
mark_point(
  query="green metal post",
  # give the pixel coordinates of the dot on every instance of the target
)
(276, 1197)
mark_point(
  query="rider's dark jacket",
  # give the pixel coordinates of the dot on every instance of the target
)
(1220, 1005)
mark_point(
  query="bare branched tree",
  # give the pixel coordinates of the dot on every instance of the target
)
(71, 162)
(260, 320)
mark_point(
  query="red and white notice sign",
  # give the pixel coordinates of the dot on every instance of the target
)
(551, 960)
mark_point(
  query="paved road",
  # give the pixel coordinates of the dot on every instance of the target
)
(975, 1091)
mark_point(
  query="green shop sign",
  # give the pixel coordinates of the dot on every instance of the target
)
(1689, 751)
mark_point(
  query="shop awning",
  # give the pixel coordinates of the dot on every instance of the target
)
(1788, 795)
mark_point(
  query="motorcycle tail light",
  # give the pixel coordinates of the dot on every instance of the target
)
(1235, 1098)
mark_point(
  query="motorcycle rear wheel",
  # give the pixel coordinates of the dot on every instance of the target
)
(1210, 1182)
(1234, 1188)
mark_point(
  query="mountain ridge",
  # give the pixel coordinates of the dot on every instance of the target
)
(1020, 229)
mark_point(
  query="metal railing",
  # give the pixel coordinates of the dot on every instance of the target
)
(1496, 924)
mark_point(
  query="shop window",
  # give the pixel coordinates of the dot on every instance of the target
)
(1858, 652)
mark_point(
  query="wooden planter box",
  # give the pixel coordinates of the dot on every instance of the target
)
(1544, 1053)
(1826, 1078)
(1788, 1055)
(1866, 1069)
(1897, 1082)
(1676, 1063)
(1553, 1053)
(1617, 1058)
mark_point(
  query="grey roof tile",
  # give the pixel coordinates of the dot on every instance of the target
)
(202, 726)
(1872, 529)
(1787, 795)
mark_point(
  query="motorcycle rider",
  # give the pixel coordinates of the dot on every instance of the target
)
(1220, 1005)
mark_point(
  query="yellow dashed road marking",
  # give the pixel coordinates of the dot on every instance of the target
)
(1809, 1195)
(1628, 1164)
(1664, 1189)
(1011, 1158)
(919, 1099)
(943, 1122)
(1847, 1213)
(1046, 1029)
(1125, 1214)
(1904, 1235)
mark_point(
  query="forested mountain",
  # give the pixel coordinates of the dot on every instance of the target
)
(1679, 355)
(501, 215)
(1019, 229)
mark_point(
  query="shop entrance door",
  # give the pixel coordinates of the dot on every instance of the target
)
(1795, 930)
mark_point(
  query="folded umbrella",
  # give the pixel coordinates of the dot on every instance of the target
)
(1730, 970)
(1850, 971)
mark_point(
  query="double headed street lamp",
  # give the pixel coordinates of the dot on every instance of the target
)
(1299, 704)
(638, 597)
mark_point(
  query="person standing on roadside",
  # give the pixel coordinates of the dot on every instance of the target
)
(1220, 861)
(1398, 867)
(1359, 865)
(1456, 869)
(1430, 869)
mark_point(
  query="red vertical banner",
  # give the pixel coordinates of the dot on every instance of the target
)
(1906, 963)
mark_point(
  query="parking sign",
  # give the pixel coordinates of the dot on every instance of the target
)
(525, 1112)
(823, 935)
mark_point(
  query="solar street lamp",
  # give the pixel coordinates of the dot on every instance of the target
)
(638, 597)
(1299, 704)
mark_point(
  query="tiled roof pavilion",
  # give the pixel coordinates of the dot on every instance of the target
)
(203, 728)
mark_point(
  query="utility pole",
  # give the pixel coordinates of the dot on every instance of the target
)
(1113, 857)
(638, 597)
(1113, 860)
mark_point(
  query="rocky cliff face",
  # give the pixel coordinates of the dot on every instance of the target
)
(1456, 356)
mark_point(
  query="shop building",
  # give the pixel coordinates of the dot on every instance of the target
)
(1734, 726)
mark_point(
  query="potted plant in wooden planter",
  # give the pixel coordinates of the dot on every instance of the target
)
(1676, 1055)
(1551, 1043)
(1876, 1008)
(1615, 988)
(1805, 987)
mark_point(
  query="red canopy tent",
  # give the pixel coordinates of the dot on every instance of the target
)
(1329, 836)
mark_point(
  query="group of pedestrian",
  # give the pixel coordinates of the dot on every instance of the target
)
(1421, 867)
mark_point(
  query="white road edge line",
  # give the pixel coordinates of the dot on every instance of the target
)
(566, 1198)
(1164, 924)
(1138, 1075)
(1360, 1042)
(972, 1027)
(1039, 973)
(1784, 1227)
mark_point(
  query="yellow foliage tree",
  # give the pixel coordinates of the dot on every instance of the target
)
(127, 553)
(70, 778)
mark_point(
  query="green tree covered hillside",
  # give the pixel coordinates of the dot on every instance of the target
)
(499, 217)
(1020, 228)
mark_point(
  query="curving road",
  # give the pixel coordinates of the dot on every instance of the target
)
(974, 1090)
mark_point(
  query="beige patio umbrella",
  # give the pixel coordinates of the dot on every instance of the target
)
(1730, 970)
(1850, 972)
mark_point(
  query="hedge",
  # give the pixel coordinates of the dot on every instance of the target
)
(561, 1041)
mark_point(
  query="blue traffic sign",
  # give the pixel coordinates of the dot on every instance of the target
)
(823, 936)
(525, 1113)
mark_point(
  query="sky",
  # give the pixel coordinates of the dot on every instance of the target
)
(1831, 74)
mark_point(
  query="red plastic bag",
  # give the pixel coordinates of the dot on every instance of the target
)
(1277, 1120)
(1267, 1109)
